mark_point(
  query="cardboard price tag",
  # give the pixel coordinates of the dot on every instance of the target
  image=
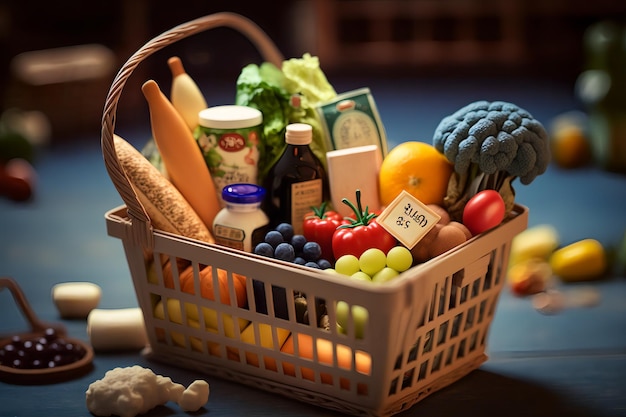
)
(408, 219)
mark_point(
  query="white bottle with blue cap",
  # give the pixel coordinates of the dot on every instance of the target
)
(241, 224)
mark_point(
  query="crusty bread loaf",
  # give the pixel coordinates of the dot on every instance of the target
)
(167, 208)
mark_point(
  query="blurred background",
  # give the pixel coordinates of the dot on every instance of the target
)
(60, 57)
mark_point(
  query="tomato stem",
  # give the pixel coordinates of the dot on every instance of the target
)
(320, 211)
(362, 217)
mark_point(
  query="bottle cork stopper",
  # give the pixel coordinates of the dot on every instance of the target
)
(299, 134)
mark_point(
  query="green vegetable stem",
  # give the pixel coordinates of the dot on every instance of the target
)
(490, 144)
(363, 217)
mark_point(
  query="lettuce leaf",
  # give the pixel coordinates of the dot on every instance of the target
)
(285, 96)
(304, 76)
(262, 88)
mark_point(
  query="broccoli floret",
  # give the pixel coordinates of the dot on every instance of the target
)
(490, 144)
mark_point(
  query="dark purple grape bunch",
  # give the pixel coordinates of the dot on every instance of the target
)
(40, 352)
(281, 243)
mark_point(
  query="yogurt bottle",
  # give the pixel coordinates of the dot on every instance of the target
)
(229, 137)
(242, 224)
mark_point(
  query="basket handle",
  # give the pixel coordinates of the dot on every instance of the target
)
(141, 229)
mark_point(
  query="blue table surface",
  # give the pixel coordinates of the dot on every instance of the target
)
(570, 364)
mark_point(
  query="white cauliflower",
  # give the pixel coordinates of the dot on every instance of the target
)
(127, 392)
(195, 396)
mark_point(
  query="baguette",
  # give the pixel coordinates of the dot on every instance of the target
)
(168, 210)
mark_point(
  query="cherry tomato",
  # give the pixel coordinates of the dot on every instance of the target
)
(485, 210)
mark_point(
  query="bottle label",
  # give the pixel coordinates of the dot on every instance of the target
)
(351, 119)
(231, 155)
(231, 237)
(258, 235)
(304, 195)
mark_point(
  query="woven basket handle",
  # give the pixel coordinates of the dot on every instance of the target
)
(141, 229)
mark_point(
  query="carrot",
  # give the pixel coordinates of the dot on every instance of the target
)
(181, 154)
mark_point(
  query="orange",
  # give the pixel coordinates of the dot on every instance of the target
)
(570, 146)
(418, 168)
(186, 278)
(206, 285)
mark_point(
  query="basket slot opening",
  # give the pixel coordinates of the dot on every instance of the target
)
(500, 262)
(450, 355)
(433, 303)
(289, 304)
(489, 276)
(492, 307)
(463, 295)
(423, 316)
(185, 324)
(172, 272)
(215, 349)
(428, 342)
(393, 386)
(197, 283)
(172, 280)
(413, 352)
(266, 339)
(407, 379)
(310, 310)
(443, 296)
(476, 288)
(317, 309)
(469, 318)
(352, 320)
(483, 338)
(191, 277)
(436, 362)
(473, 341)
(442, 333)
(423, 371)
(456, 325)
(236, 289)
(270, 299)
(461, 351)
(155, 275)
(321, 360)
(481, 311)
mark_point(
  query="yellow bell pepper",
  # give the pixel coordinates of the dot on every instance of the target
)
(537, 242)
(580, 261)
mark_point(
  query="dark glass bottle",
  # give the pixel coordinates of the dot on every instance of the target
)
(297, 181)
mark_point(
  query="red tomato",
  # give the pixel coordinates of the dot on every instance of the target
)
(319, 226)
(362, 233)
(483, 211)
(356, 240)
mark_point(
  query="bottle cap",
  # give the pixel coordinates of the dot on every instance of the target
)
(299, 134)
(243, 193)
(230, 117)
